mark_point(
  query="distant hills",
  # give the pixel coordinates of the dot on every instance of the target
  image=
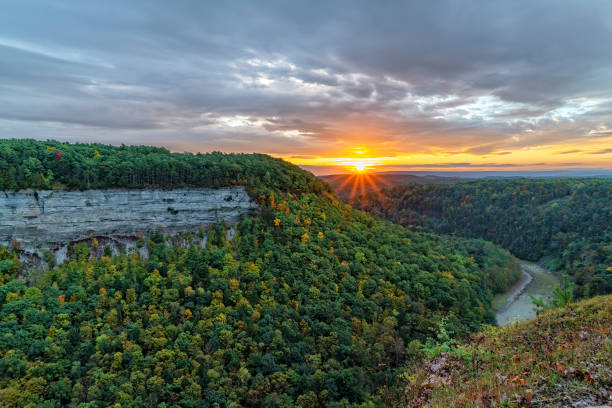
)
(349, 186)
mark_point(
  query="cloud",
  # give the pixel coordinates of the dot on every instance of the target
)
(314, 78)
(482, 150)
(604, 151)
(600, 133)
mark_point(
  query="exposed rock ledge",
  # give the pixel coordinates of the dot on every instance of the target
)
(51, 219)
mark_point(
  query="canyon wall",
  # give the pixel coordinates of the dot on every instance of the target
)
(51, 219)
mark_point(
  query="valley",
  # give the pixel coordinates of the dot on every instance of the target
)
(568, 221)
(306, 300)
(250, 283)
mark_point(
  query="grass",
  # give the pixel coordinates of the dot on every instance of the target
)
(561, 357)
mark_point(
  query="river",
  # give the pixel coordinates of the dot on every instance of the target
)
(515, 304)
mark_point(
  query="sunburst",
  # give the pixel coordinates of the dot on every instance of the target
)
(362, 182)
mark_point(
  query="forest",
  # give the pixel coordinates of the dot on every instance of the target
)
(312, 303)
(54, 165)
(565, 222)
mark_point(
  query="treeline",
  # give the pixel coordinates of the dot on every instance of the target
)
(55, 165)
(311, 304)
(568, 221)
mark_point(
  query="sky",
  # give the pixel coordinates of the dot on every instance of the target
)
(385, 85)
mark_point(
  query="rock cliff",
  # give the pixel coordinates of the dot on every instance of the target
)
(50, 219)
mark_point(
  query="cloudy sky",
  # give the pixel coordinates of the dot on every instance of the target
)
(395, 85)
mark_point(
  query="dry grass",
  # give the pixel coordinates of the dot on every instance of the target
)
(558, 359)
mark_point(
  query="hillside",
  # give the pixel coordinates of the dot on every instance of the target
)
(311, 302)
(568, 221)
(561, 358)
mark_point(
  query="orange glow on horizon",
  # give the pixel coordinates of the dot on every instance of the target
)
(361, 159)
(357, 166)
(357, 160)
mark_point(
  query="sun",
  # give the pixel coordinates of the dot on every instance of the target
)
(357, 166)
(358, 162)
(360, 167)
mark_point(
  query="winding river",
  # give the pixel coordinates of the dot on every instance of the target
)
(515, 304)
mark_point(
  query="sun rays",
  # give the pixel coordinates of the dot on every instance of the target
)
(361, 178)
(361, 182)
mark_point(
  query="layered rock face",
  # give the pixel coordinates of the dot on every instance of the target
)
(46, 219)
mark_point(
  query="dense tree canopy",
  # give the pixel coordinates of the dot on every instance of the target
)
(55, 165)
(311, 303)
(568, 221)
